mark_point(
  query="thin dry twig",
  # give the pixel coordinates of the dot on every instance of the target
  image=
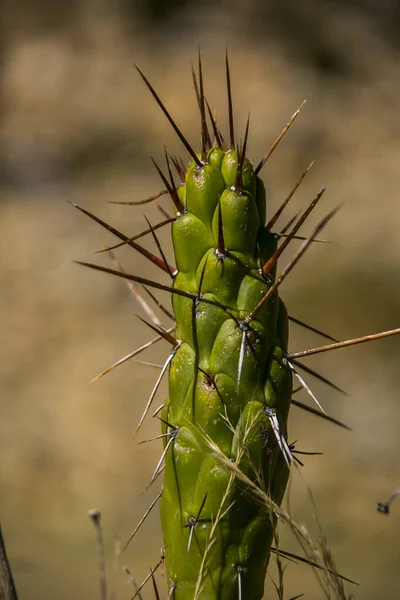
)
(95, 516)
(8, 590)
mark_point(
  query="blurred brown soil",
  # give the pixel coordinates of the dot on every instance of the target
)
(77, 126)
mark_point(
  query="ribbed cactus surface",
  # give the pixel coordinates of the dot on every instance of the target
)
(228, 380)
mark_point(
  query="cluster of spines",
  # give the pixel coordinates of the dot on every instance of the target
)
(266, 271)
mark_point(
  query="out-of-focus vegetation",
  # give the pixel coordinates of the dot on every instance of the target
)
(76, 124)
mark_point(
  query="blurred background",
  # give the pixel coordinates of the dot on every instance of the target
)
(77, 125)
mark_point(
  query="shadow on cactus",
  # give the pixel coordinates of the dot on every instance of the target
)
(226, 459)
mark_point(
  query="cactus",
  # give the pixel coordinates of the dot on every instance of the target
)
(224, 423)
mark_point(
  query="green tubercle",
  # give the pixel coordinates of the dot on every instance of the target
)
(221, 379)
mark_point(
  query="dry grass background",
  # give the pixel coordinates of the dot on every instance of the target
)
(76, 125)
